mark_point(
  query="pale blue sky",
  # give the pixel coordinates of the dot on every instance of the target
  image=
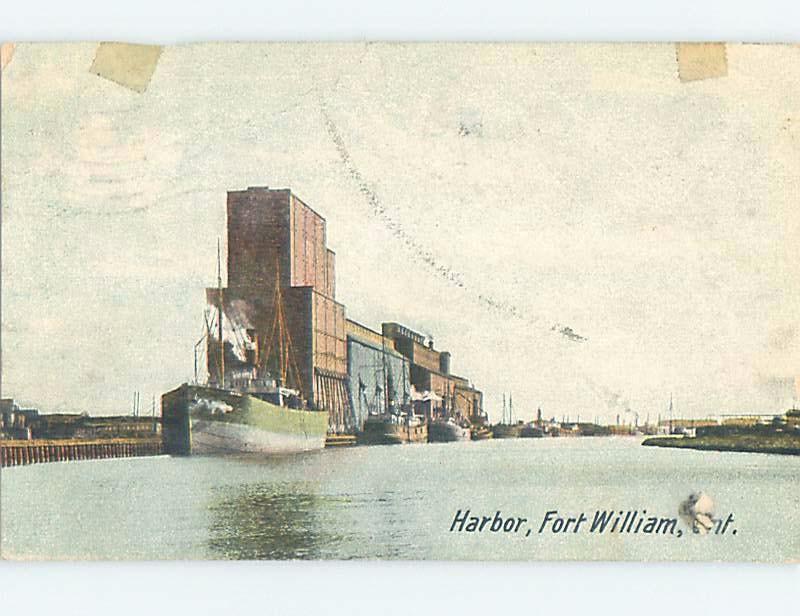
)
(575, 186)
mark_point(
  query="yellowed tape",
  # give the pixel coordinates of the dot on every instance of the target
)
(698, 61)
(127, 64)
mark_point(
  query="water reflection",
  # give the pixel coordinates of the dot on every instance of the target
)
(268, 521)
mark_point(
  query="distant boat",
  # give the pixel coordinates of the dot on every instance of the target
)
(480, 433)
(447, 431)
(506, 431)
(507, 428)
(531, 431)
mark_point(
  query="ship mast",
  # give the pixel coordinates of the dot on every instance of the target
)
(385, 376)
(220, 308)
(287, 363)
(670, 413)
(279, 320)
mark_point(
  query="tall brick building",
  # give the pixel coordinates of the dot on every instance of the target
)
(276, 239)
(278, 243)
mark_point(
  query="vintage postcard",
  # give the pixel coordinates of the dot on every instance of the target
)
(400, 301)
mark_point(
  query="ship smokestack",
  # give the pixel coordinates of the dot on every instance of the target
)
(444, 362)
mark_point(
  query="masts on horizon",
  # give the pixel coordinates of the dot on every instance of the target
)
(385, 375)
(221, 310)
(670, 413)
(508, 410)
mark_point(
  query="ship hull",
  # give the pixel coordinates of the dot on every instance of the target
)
(447, 432)
(219, 438)
(506, 431)
(207, 421)
(379, 432)
(481, 434)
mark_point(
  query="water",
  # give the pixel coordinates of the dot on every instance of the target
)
(397, 503)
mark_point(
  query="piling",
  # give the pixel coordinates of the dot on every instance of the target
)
(21, 452)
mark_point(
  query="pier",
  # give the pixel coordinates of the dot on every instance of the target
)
(37, 451)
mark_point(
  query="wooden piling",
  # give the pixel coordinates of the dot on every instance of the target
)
(22, 452)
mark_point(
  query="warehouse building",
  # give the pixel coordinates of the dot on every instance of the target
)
(278, 256)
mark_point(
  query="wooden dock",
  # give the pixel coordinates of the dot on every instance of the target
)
(20, 452)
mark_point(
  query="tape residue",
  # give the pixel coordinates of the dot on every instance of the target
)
(6, 51)
(698, 61)
(127, 64)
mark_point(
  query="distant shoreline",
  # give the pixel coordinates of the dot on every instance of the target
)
(783, 444)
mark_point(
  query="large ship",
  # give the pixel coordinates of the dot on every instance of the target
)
(246, 408)
(200, 419)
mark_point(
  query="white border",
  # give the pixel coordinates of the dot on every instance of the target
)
(396, 587)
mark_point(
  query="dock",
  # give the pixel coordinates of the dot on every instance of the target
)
(37, 451)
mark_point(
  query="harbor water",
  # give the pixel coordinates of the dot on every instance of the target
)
(399, 502)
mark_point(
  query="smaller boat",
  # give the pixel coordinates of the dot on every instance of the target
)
(393, 429)
(507, 430)
(447, 431)
(480, 433)
(531, 431)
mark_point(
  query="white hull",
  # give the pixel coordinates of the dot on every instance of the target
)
(217, 437)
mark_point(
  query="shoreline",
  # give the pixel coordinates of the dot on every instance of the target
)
(779, 444)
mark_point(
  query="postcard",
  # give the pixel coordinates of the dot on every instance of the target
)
(430, 301)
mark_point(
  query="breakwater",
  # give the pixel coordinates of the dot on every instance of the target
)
(785, 444)
(36, 451)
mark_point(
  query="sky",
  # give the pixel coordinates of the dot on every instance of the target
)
(580, 228)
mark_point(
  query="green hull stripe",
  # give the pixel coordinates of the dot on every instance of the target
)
(251, 411)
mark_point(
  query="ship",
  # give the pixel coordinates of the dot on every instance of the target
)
(531, 431)
(391, 423)
(447, 431)
(205, 420)
(507, 428)
(480, 433)
(507, 431)
(393, 429)
(247, 409)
